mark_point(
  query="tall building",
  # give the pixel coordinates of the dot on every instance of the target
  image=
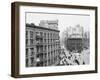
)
(74, 40)
(51, 24)
(42, 45)
(86, 40)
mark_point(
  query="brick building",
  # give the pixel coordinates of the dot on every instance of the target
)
(42, 45)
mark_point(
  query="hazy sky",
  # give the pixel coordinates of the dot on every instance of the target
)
(63, 20)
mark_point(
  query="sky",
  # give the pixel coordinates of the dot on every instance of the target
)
(64, 20)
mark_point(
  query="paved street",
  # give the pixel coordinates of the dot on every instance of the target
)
(72, 58)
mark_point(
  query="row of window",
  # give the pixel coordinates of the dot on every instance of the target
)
(43, 48)
(42, 58)
(30, 62)
(42, 63)
(30, 52)
(32, 41)
(31, 34)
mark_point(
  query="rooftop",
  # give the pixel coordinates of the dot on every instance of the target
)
(32, 25)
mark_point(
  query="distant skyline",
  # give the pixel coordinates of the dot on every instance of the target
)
(64, 21)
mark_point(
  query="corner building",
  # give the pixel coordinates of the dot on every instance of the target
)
(42, 46)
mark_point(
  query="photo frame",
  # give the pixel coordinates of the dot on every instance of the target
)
(53, 39)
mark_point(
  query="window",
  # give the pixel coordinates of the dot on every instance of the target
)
(44, 35)
(37, 33)
(26, 52)
(32, 60)
(37, 48)
(31, 34)
(26, 41)
(51, 39)
(48, 47)
(49, 55)
(44, 40)
(26, 62)
(45, 47)
(41, 33)
(45, 63)
(26, 34)
(31, 41)
(53, 36)
(48, 40)
(49, 61)
(57, 36)
(32, 51)
(40, 48)
(45, 55)
(48, 35)
(51, 47)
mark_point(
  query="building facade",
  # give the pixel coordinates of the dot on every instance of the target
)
(42, 46)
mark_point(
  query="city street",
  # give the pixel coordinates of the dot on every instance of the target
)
(71, 58)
